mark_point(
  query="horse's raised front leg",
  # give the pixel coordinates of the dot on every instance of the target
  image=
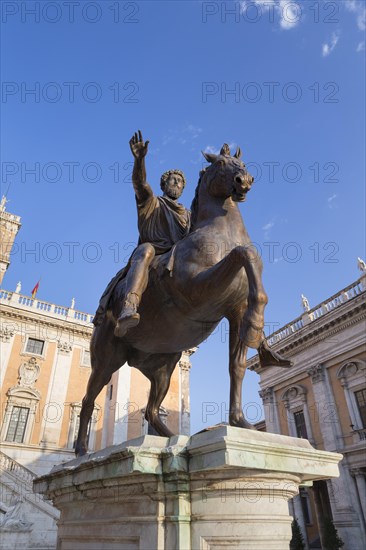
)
(237, 365)
(159, 369)
(217, 278)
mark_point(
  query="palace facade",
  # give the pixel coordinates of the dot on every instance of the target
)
(45, 367)
(323, 398)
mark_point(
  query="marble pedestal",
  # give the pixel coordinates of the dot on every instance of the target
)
(222, 488)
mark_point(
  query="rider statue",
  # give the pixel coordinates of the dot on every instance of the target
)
(162, 222)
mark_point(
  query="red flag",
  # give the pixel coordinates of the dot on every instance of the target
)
(35, 290)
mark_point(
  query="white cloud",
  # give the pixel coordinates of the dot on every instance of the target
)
(193, 131)
(361, 46)
(330, 201)
(211, 149)
(358, 8)
(264, 3)
(182, 135)
(328, 48)
(288, 12)
(267, 228)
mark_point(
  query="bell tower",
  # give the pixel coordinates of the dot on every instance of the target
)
(9, 227)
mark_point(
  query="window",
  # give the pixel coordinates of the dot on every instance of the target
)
(300, 424)
(75, 423)
(17, 424)
(34, 346)
(304, 499)
(360, 396)
(85, 358)
(352, 378)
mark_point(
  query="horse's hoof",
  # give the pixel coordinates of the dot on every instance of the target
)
(270, 358)
(126, 323)
(80, 452)
(161, 429)
(241, 423)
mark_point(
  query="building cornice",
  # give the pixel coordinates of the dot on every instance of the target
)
(346, 314)
(9, 312)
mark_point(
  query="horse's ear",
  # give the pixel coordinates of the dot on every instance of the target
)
(210, 157)
(238, 153)
(225, 150)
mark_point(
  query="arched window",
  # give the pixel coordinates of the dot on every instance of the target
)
(21, 405)
(298, 418)
(352, 376)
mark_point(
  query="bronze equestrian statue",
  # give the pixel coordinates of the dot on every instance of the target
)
(211, 273)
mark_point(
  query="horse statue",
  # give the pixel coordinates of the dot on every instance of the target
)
(212, 273)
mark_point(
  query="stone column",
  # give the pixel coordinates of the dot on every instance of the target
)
(298, 514)
(184, 375)
(55, 407)
(344, 515)
(360, 479)
(327, 407)
(222, 488)
(7, 332)
(270, 410)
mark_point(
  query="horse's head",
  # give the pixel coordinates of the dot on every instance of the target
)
(227, 175)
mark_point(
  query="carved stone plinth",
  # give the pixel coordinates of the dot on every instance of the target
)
(222, 488)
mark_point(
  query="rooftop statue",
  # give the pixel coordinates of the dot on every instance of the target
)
(189, 271)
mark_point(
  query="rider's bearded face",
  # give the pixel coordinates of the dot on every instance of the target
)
(174, 186)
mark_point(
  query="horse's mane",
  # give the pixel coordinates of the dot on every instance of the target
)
(194, 205)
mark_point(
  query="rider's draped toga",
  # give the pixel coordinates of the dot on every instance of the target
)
(161, 222)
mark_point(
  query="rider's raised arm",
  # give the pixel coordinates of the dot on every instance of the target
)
(142, 189)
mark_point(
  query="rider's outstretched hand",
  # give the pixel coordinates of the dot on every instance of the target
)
(138, 146)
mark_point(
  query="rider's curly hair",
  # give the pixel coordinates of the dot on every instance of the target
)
(164, 178)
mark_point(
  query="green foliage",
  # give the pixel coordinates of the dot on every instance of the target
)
(297, 541)
(332, 540)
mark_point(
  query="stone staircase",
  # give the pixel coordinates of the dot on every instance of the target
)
(27, 521)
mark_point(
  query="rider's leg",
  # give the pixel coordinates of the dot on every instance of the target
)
(136, 283)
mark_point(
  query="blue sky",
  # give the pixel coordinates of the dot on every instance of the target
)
(283, 80)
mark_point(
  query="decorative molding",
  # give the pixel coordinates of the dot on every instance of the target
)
(348, 370)
(184, 364)
(14, 519)
(6, 334)
(28, 373)
(307, 338)
(267, 395)
(316, 373)
(63, 346)
(67, 324)
(294, 397)
(357, 472)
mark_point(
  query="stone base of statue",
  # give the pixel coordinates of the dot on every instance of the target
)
(222, 488)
